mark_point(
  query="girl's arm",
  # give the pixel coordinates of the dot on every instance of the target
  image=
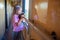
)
(15, 20)
(20, 21)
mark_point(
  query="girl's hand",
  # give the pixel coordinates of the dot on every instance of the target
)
(24, 20)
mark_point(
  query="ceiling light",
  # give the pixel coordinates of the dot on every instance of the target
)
(43, 5)
(36, 7)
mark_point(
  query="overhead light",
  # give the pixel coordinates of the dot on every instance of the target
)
(1, 6)
(43, 5)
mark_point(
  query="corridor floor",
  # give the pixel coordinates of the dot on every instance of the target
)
(34, 35)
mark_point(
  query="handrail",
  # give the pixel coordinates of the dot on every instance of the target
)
(31, 26)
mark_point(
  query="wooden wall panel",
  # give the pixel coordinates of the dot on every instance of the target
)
(54, 17)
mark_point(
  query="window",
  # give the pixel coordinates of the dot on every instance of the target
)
(27, 9)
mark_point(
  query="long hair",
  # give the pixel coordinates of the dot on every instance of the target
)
(13, 13)
(14, 10)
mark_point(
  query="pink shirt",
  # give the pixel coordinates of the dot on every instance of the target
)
(15, 27)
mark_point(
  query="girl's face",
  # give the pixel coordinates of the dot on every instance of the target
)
(19, 11)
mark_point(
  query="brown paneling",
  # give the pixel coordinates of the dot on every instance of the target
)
(41, 14)
(41, 22)
(54, 16)
(48, 19)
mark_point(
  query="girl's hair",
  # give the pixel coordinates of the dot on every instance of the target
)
(15, 9)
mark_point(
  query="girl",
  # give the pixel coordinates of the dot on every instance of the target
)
(17, 25)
